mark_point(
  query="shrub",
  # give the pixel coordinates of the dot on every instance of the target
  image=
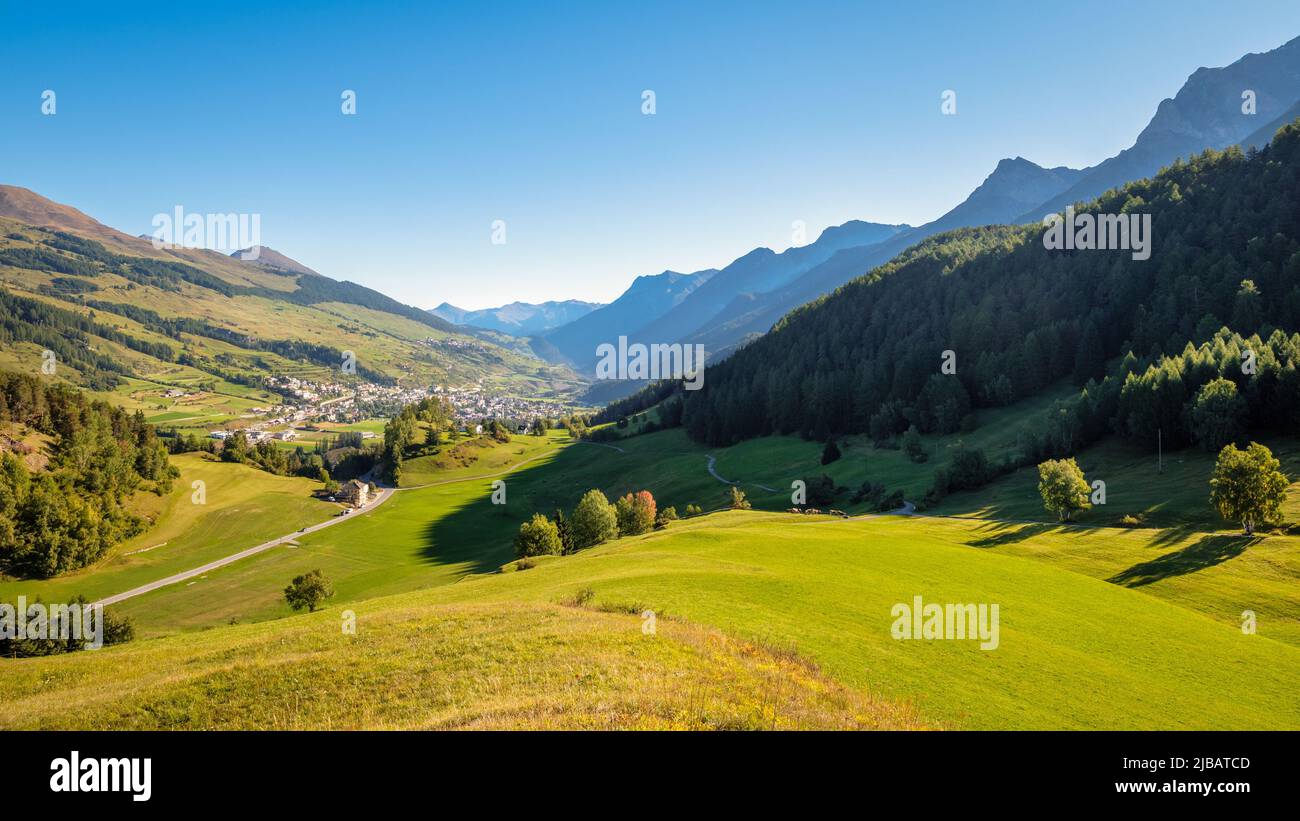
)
(538, 537)
(969, 469)
(668, 514)
(831, 452)
(580, 598)
(912, 446)
(821, 491)
(115, 630)
(738, 500)
(870, 492)
(893, 501)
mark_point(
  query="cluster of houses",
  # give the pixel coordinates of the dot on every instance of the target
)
(472, 404)
(254, 435)
(311, 401)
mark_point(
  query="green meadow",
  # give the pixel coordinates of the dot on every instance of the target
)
(1100, 627)
(1092, 654)
(520, 666)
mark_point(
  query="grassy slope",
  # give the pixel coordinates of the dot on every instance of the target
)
(435, 535)
(243, 507)
(416, 539)
(446, 667)
(1091, 654)
(1178, 497)
(467, 456)
(1160, 635)
(1217, 574)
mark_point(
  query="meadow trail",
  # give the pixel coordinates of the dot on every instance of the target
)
(714, 473)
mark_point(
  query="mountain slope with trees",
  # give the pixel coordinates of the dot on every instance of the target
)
(68, 513)
(1223, 277)
(86, 292)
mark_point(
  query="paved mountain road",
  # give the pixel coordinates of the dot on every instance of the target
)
(384, 495)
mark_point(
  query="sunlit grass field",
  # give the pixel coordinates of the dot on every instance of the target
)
(1074, 650)
(412, 666)
(1101, 627)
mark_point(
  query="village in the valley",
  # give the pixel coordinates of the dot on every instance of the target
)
(309, 403)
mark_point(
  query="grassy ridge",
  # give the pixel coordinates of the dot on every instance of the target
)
(445, 667)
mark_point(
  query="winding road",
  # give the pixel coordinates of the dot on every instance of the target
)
(383, 495)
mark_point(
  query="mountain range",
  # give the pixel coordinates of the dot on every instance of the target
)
(273, 296)
(748, 296)
(518, 318)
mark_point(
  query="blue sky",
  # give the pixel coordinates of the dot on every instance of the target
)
(767, 113)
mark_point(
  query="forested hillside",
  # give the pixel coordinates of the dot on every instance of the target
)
(67, 466)
(1018, 318)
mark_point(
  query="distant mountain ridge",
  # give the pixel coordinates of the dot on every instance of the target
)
(1003, 194)
(644, 314)
(646, 299)
(759, 271)
(1205, 113)
(519, 318)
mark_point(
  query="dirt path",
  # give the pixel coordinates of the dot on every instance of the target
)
(714, 473)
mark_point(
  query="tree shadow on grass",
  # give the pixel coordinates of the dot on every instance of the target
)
(1207, 552)
(478, 535)
(1005, 533)
(1174, 534)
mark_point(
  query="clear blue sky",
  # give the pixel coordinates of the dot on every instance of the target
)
(531, 113)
